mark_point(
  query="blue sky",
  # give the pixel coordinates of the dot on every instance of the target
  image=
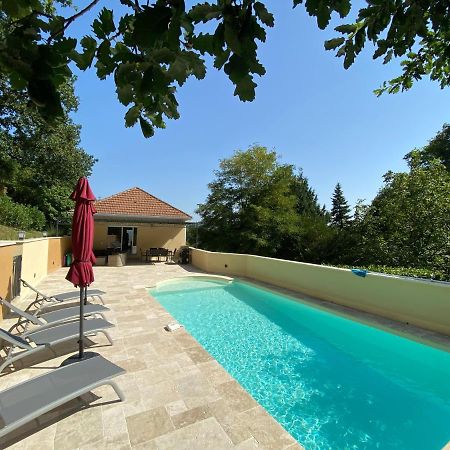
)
(314, 113)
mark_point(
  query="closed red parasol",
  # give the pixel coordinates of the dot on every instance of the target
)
(80, 272)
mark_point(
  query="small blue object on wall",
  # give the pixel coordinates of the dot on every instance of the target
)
(360, 272)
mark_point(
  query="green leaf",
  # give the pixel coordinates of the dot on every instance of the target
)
(178, 71)
(150, 25)
(245, 89)
(265, 16)
(331, 44)
(125, 22)
(204, 43)
(147, 128)
(204, 12)
(323, 15)
(349, 58)
(132, 116)
(65, 45)
(154, 81)
(221, 59)
(232, 37)
(381, 50)
(388, 56)
(84, 60)
(104, 25)
(343, 7)
(346, 29)
(16, 9)
(195, 64)
(164, 55)
(105, 63)
(125, 94)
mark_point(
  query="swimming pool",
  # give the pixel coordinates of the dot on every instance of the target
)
(333, 383)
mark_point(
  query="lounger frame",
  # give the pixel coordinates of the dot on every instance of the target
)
(21, 342)
(43, 299)
(64, 399)
(25, 318)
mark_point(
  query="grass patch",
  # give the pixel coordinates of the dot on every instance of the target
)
(12, 234)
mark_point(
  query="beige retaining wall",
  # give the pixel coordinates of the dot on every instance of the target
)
(422, 303)
(39, 257)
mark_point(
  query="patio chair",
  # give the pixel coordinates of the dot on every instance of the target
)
(164, 253)
(63, 297)
(31, 399)
(153, 251)
(171, 255)
(48, 319)
(42, 338)
(144, 256)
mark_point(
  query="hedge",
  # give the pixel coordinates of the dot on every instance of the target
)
(20, 216)
(412, 272)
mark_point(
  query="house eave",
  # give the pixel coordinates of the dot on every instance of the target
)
(101, 217)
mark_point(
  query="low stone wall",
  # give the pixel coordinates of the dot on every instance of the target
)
(39, 257)
(422, 303)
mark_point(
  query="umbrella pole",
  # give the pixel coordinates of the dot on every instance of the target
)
(83, 294)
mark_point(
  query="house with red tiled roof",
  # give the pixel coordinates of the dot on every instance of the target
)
(134, 221)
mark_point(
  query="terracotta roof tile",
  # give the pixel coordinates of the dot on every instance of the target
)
(137, 202)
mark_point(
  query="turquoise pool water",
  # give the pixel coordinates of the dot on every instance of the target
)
(331, 382)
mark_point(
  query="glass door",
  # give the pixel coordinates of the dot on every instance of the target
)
(129, 238)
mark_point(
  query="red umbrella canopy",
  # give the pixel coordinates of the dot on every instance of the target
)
(80, 272)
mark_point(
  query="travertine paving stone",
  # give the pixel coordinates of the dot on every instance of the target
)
(177, 396)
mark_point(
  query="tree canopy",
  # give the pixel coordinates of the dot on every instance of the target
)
(251, 204)
(437, 148)
(261, 206)
(42, 161)
(154, 47)
(408, 222)
(256, 205)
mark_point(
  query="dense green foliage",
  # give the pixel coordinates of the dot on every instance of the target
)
(408, 223)
(150, 48)
(258, 205)
(40, 162)
(20, 216)
(437, 148)
(404, 271)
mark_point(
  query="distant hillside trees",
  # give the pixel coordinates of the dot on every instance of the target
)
(259, 205)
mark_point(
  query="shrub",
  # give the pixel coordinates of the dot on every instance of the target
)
(20, 216)
(412, 272)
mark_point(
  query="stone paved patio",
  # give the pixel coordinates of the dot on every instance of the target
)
(177, 395)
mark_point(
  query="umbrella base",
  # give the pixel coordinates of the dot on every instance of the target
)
(76, 358)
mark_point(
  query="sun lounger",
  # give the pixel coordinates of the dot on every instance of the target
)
(62, 297)
(36, 340)
(54, 317)
(26, 401)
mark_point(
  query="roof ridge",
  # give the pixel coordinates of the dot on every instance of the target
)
(162, 201)
(153, 197)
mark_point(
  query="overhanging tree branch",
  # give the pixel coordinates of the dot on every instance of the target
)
(71, 19)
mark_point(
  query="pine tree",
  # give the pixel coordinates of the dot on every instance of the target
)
(340, 210)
